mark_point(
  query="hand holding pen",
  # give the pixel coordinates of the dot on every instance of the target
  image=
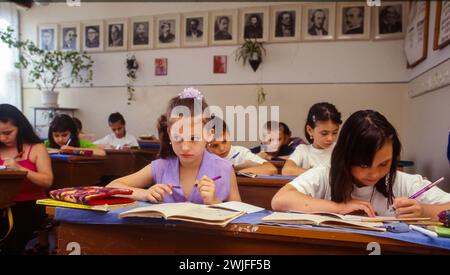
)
(11, 163)
(207, 189)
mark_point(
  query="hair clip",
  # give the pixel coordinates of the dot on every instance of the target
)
(191, 93)
(313, 118)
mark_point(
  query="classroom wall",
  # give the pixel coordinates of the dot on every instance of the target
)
(427, 113)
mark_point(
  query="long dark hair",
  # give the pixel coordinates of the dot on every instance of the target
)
(25, 132)
(361, 136)
(164, 121)
(322, 111)
(63, 123)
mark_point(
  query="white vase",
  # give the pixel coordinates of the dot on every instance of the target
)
(49, 98)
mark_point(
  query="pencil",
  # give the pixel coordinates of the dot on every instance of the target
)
(426, 188)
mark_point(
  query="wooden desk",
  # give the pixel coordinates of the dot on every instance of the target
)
(259, 191)
(143, 157)
(119, 163)
(236, 239)
(10, 183)
(77, 171)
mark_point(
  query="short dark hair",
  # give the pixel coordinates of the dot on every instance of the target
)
(281, 125)
(78, 124)
(116, 117)
(63, 123)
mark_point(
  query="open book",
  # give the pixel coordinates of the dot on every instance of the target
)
(364, 218)
(218, 214)
(102, 207)
(320, 220)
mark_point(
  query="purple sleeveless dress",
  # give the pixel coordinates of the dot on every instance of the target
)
(167, 171)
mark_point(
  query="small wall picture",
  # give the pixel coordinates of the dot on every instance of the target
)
(442, 25)
(220, 64)
(318, 21)
(48, 37)
(116, 35)
(224, 27)
(254, 24)
(160, 66)
(285, 23)
(141, 33)
(353, 20)
(69, 37)
(194, 30)
(391, 20)
(93, 36)
(167, 29)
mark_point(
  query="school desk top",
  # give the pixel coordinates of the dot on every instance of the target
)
(76, 158)
(106, 233)
(10, 183)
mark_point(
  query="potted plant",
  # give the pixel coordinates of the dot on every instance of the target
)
(252, 51)
(132, 67)
(49, 69)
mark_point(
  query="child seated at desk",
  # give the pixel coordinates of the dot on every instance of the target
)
(119, 138)
(21, 149)
(81, 134)
(63, 134)
(363, 176)
(242, 158)
(321, 129)
(186, 170)
(277, 142)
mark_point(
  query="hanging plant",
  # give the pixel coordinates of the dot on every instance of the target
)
(132, 67)
(251, 51)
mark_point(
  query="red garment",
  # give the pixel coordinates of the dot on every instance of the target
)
(29, 191)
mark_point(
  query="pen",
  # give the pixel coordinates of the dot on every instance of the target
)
(68, 142)
(426, 188)
(235, 155)
(423, 231)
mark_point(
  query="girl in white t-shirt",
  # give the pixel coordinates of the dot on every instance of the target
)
(321, 129)
(362, 177)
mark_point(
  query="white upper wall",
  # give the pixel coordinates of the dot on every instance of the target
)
(304, 62)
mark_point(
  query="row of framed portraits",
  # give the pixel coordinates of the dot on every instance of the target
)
(281, 23)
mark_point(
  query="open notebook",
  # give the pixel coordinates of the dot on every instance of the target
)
(365, 218)
(218, 214)
(321, 220)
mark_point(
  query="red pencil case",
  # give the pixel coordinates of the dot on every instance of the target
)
(92, 195)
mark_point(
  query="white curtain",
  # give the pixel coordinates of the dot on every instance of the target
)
(10, 90)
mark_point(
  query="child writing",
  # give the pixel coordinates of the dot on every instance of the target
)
(362, 177)
(277, 142)
(63, 134)
(186, 170)
(21, 149)
(321, 129)
(119, 138)
(242, 158)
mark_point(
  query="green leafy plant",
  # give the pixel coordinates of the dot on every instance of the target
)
(132, 67)
(50, 68)
(251, 51)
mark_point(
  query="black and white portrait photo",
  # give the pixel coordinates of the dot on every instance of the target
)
(224, 27)
(92, 36)
(115, 35)
(141, 33)
(285, 23)
(353, 20)
(69, 39)
(390, 19)
(47, 37)
(253, 25)
(166, 31)
(194, 28)
(318, 22)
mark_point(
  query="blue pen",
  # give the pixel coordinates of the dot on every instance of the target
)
(235, 155)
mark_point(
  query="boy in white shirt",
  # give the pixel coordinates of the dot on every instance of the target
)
(242, 158)
(119, 138)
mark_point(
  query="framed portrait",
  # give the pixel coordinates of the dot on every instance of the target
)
(167, 31)
(194, 30)
(318, 21)
(47, 37)
(416, 39)
(69, 38)
(220, 64)
(141, 29)
(160, 66)
(116, 34)
(353, 20)
(93, 36)
(254, 24)
(390, 20)
(442, 25)
(223, 27)
(285, 22)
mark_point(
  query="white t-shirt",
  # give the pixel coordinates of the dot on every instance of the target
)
(113, 141)
(306, 156)
(315, 183)
(245, 155)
